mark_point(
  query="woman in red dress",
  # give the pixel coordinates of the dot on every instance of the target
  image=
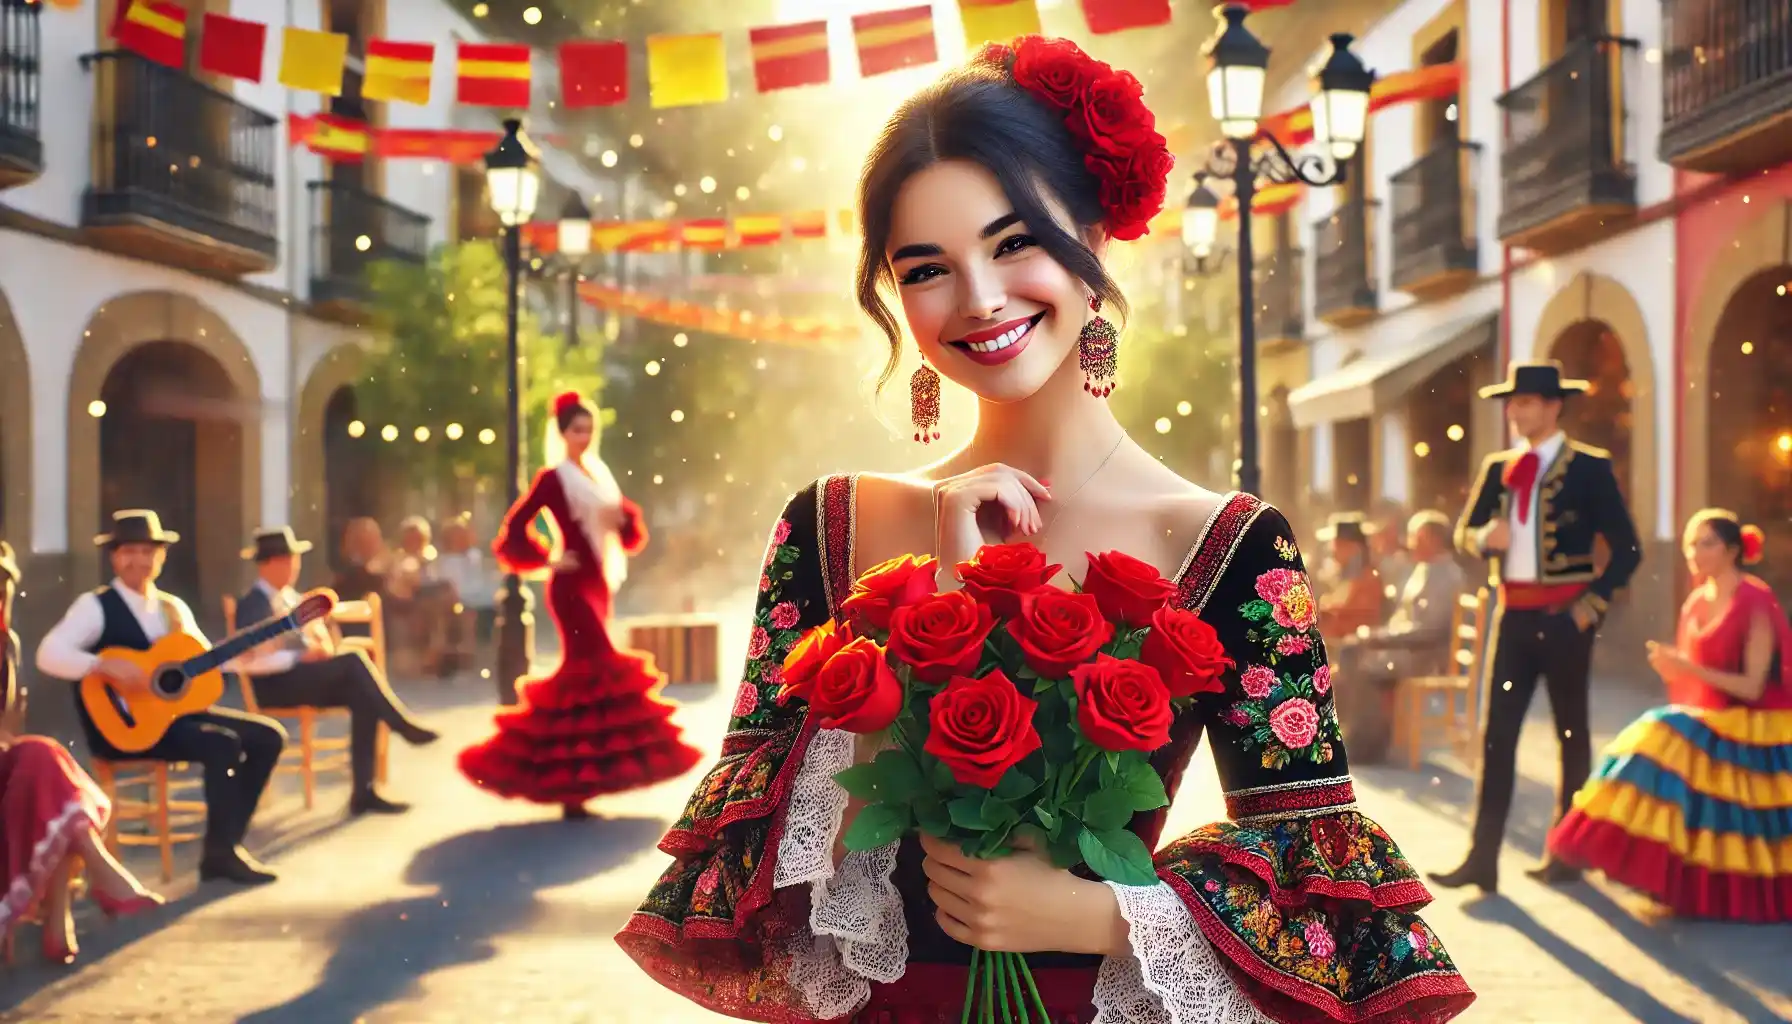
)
(595, 724)
(50, 812)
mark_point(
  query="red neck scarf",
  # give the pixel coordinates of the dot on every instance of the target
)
(1519, 478)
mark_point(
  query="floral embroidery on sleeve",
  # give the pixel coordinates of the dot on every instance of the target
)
(1285, 713)
(775, 623)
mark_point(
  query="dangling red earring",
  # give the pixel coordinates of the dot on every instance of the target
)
(924, 403)
(1097, 353)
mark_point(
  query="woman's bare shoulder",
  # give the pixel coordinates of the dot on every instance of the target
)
(1182, 506)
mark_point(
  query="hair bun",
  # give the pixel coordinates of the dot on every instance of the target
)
(567, 401)
(1754, 545)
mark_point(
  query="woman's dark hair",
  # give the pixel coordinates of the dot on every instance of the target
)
(978, 113)
(1727, 527)
(568, 413)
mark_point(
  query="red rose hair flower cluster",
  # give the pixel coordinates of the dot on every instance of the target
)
(566, 401)
(1754, 545)
(1106, 113)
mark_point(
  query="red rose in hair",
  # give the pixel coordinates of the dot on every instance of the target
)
(1058, 630)
(942, 636)
(807, 657)
(1186, 652)
(888, 586)
(1056, 71)
(1128, 590)
(856, 690)
(1112, 115)
(1122, 705)
(980, 728)
(1133, 186)
(998, 574)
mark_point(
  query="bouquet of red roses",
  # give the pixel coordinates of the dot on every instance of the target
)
(1009, 710)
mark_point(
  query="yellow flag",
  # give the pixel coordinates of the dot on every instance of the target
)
(683, 71)
(997, 20)
(312, 61)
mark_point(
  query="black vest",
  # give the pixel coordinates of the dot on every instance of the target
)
(122, 628)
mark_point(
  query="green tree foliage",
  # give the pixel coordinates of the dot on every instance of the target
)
(1178, 365)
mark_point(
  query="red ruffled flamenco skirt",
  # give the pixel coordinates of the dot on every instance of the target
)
(594, 726)
(46, 801)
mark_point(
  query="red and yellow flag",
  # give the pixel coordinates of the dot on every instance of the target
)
(1106, 16)
(996, 20)
(893, 40)
(708, 233)
(809, 224)
(331, 136)
(593, 73)
(155, 29)
(398, 71)
(787, 56)
(312, 61)
(647, 236)
(758, 229)
(492, 75)
(686, 70)
(460, 146)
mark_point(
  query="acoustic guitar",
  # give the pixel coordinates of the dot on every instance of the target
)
(183, 675)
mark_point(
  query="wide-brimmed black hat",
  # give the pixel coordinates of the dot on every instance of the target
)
(135, 526)
(9, 566)
(275, 542)
(1543, 379)
(1348, 525)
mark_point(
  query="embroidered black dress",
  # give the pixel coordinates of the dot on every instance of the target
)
(1298, 909)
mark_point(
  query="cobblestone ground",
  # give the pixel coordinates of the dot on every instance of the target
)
(473, 909)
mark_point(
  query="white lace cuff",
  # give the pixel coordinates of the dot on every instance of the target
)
(1174, 975)
(857, 933)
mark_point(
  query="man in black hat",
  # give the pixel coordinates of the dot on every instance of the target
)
(304, 669)
(1535, 516)
(238, 750)
(1352, 596)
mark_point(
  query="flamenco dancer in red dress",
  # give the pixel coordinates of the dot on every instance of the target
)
(594, 725)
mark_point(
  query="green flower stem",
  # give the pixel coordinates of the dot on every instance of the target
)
(1001, 986)
(1083, 760)
(1026, 972)
(970, 986)
(1015, 964)
(989, 993)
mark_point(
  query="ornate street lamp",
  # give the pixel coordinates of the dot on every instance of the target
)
(1236, 75)
(574, 245)
(513, 184)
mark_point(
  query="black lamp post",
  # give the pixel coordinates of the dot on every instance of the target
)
(1237, 65)
(574, 245)
(513, 184)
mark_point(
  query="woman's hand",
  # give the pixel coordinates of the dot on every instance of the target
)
(1667, 661)
(984, 506)
(1021, 903)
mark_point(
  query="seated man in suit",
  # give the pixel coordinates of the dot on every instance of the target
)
(1352, 597)
(304, 669)
(238, 750)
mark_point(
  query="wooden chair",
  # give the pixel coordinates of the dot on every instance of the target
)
(1417, 716)
(367, 612)
(171, 820)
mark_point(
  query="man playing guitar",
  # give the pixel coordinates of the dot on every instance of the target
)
(238, 750)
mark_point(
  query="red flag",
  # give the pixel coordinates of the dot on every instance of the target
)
(1106, 16)
(892, 40)
(451, 145)
(155, 29)
(232, 47)
(786, 56)
(593, 73)
(492, 75)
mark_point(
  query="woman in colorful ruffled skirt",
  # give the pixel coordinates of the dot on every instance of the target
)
(1692, 803)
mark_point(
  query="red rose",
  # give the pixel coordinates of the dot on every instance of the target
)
(856, 690)
(1186, 652)
(808, 656)
(1112, 115)
(980, 728)
(998, 574)
(1127, 589)
(942, 636)
(1058, 630)
(1055, 71)
(1122, 705)
(888, 586)
(1133, 185)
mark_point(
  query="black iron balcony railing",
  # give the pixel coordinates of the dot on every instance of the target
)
(1565, 174)
(173, 153)
(1281, 299)
(1344, 285)
(1434, 219)
(1726, 84)
(352, 229)
(21, 89)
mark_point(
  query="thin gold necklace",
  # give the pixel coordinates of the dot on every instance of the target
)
(1058, 507)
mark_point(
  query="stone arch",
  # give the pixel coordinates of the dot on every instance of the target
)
(117, 328)
(1595, 297)
(1762, 244)
(307, 493)
(15, 435)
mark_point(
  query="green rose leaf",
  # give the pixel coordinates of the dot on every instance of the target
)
(899, 777)
(1046, 818)
(967, 812)
(931, 815)
(1066, 849)
(1143, 787)
(998, 814)
(1015, 785)
(877, 825)
(1108, 809)
(860, 781)
(1117, 856)
(941, 777)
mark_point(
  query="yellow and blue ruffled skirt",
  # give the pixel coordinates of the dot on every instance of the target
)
(1692, 807)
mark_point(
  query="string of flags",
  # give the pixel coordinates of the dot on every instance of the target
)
(737, 323)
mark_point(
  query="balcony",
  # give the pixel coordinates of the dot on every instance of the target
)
(1436, 252)
(182, 174)
(352, 229)
(1344, 292)
(21, 47)
(1726, 84)
(1565, 177)
(1281, 313)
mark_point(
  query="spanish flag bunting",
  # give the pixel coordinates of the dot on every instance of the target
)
(342, 140)
(647, 236)
(892, 40)
(459, 146)
(593, 73)
(232, 47)
(997, 20)
(788, 56)
(1106, 16)
(399, 72)
(709, 233)
(686, 70)
(809, 224)
(492, 75)
(154, 29)
(312, 61)
(609, 236)
(1295, 127)
(849, 221)
(758, 229)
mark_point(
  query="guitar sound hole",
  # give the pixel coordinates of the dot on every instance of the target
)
(170, 682)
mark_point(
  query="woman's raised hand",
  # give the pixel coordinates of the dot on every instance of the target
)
(984, 506)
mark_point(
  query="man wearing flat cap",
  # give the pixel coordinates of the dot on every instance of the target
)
(1352, 597)
(304, 668)
(238, 750)
(1535, 517)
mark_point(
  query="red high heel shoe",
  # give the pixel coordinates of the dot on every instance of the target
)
(56, 952)
(117, 908)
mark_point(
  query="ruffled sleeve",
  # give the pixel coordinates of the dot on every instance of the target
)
(1307, 902)
(518, 547)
